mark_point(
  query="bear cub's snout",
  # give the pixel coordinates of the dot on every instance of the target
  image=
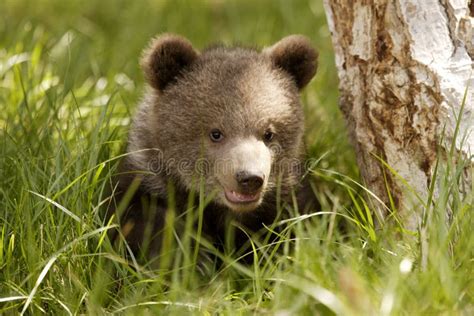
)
(249, 182)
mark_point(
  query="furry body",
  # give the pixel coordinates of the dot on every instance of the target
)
(226, 120)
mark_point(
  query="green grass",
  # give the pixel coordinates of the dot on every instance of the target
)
(69, 83)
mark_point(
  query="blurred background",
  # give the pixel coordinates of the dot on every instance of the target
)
(97, 44)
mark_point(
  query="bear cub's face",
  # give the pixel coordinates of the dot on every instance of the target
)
(233, 114)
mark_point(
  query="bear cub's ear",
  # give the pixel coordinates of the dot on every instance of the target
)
(295, 55)
(167, 56)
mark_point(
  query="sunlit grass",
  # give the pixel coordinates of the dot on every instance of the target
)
(69, 83)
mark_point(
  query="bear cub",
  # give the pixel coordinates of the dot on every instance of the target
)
(225, 124)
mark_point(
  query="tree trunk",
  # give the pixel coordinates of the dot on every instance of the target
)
(404, 67)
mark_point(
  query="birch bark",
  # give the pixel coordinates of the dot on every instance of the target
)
(404, 67)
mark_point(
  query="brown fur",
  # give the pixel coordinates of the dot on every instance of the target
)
(239, 91)
(292, 55)
(166, 58)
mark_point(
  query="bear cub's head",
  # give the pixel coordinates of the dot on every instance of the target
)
(229, 115)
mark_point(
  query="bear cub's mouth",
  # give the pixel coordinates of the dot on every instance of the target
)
(241, 198)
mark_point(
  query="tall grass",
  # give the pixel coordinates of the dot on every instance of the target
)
(69, 82)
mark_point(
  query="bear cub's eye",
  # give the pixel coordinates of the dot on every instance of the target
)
(268, 136)
(216, 135)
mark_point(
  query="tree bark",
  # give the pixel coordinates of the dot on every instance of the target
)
(404, 67)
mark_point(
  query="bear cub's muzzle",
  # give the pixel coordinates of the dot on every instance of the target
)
(245, 177)
(249, 182)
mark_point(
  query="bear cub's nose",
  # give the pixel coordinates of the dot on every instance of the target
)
(249, 182)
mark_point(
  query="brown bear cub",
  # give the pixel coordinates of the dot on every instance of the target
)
(225, 123)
